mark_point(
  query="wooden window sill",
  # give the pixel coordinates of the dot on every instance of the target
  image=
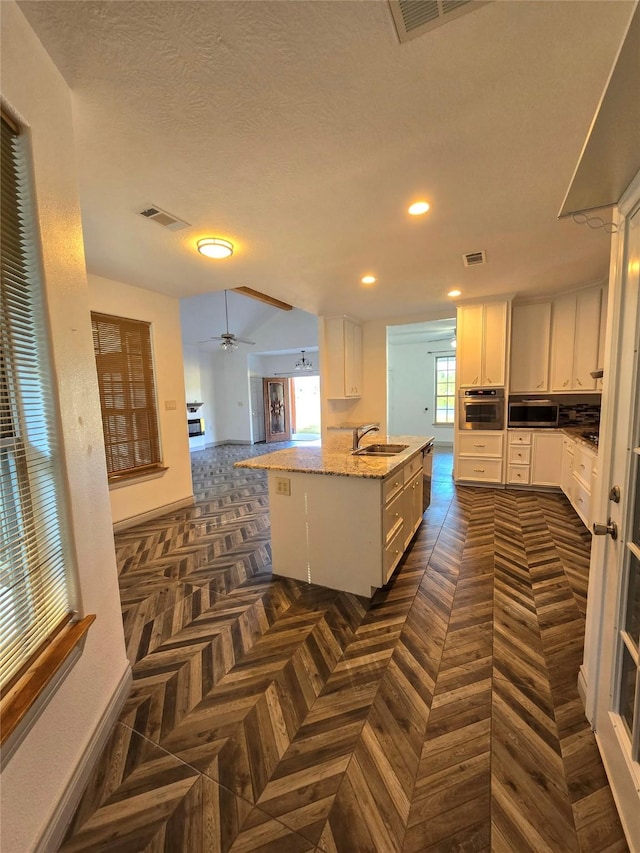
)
(21, 696)
(117, 481)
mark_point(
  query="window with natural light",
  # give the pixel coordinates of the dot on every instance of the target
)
(445, 389)
(36, 591)
(126, 383)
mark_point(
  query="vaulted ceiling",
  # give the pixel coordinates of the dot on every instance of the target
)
(302, 131)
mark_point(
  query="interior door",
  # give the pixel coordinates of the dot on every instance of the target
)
(617, 700)
(257, 410)
(277, 412)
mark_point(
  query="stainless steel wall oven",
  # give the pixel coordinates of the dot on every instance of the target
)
(481, 408)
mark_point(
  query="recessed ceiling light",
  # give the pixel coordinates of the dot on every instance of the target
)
(215, 247)
(454, 293)
(368, 279)
(418, 208)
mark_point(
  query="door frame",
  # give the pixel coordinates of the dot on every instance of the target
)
(596, 673)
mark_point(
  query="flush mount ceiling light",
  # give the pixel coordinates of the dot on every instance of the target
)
(454, 293)
(303, 363)
(368, 279)
(418, 208)
(215, 247)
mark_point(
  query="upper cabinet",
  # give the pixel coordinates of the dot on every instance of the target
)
(530, 336)
(575, 332)
(482, 339)
(343, 347)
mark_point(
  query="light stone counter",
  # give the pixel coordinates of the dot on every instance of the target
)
(335, 457)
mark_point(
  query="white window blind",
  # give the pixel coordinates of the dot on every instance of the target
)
(124, 363)
(35, 585)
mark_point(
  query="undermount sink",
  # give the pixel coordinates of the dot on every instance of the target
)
(380, 450)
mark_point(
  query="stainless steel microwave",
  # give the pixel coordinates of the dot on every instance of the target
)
(534, 413)
(481, 408)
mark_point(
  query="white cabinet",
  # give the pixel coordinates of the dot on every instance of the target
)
(530, 337)
(535, 458)
(575, 332)
(481, 352)
(479, 457)
(343, 348)
(579, 473)
(546, 459)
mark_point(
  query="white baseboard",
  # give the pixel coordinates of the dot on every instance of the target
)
(583, 692)
(125, 523)
(54, 834)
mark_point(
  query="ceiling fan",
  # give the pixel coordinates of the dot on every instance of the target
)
(228, 341)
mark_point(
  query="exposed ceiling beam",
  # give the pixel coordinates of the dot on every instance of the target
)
(262, 297)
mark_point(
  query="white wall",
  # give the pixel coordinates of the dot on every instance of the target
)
(411, 390)
(37, 774)
(163, 312)
(223, 377)
(193, 392)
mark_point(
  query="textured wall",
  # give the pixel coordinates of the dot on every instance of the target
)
(36, 776)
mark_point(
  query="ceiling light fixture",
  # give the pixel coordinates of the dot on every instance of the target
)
(368, 279)
(454, 293)
(303, 363)
(418, 208)
(215, 247)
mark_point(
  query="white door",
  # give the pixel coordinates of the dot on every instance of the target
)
(257, 409)
(613, 662)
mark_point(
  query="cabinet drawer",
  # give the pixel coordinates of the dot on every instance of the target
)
(392, 485)
(583, 463)
(519, 438)
(392, 554)
(412, 467)
(581, 500)
(519, 455)
(481, 470)
(518, 474)
(479, 444)
(392, 516)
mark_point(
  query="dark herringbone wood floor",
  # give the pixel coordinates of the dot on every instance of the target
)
(268, 715)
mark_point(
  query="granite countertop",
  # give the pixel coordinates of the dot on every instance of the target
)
(335, 458)
(575, 432)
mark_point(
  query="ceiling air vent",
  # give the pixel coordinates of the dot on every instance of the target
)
(415, 17)
(474, 259)
(167, 220)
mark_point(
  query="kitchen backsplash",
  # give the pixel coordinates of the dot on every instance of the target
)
(581, 414)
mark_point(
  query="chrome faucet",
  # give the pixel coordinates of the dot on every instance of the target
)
(358, 435)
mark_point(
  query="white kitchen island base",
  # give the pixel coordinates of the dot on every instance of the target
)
(346, 522)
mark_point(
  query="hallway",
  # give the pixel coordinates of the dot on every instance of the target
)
(268, 715)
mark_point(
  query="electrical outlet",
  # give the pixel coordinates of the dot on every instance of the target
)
(170, 405)
(283, 486)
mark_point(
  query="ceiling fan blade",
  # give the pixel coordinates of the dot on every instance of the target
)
(243, 340)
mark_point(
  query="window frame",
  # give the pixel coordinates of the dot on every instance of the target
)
(123, 349)
(450, 382)
(39, 619)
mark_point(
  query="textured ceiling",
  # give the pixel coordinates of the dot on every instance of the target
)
(302, 130)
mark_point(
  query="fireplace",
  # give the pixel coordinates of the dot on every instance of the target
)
(196, 426)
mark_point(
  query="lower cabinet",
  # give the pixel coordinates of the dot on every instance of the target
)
(479, 456)
(579, 474)
(534, 458)
(344, 532)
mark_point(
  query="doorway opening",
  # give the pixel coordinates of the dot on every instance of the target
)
(305, 408)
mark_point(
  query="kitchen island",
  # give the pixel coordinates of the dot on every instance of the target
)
(343, 520)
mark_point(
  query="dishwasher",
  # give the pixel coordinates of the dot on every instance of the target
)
(427, 471)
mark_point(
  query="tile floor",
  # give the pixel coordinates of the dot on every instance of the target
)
(268, 715)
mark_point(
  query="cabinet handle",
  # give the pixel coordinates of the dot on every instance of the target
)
(582, 465)
(520, 454)
(479, 470)
(565, 383)
(578, 382)
(540, 384)
(397, 515)
(474, 381)
(479, 445)
(489, 381)
(580, 501)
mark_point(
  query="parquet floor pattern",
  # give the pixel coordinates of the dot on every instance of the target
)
(271, 715)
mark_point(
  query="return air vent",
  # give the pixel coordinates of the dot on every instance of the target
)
(415, 17)
(474, 259)
(167, 220)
